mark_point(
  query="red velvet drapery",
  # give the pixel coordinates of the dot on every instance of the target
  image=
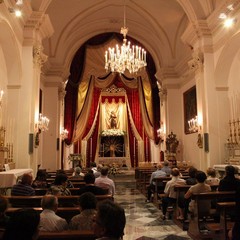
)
(76, 71)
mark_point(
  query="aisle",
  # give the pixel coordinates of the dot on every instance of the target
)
(143, 219)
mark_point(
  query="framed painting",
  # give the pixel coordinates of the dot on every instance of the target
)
(190, 107)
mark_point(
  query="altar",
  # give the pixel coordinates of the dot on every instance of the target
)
(120, 161)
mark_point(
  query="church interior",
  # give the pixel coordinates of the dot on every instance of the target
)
(67, 98)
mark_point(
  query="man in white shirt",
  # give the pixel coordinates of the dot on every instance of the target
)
(105, 182)
(49, 221)
(170, 193)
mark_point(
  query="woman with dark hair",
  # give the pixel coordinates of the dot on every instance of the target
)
(84, 220)
(23, 225)
(200, 187)
(110, 221)
(59, 186)
(41, 179)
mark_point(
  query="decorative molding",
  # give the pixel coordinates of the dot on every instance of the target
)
(39, 58)
(113, 89)
(197, 61)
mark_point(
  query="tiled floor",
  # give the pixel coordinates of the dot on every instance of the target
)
(143, 219)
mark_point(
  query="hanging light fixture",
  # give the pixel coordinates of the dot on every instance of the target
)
(119, 59)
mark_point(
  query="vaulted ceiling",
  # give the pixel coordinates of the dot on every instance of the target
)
(159, 25)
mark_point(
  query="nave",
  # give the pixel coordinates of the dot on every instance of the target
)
(143, 219)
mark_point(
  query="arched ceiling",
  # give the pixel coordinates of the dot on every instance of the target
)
(157, 24)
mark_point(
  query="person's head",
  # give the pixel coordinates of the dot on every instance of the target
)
(211, 172)
(175, 172)
(166, 163)
(27, 179)
(110, 220)
(192, 172)
(230, 170)
(159, 166)
(77, 170)
(87, 200)
(104, 171)
(99, 167)
(22, 225)
(201, 176)
(3, 204)
(49, 202)
(60, 179)
(41, 175)
(89, 178)
(93, 164)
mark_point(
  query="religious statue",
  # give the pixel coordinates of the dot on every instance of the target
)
(113, 120)
(172, 143)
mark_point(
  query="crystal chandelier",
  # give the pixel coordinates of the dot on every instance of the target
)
(128, 57)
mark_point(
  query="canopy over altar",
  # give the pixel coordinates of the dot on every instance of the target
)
(113, 117)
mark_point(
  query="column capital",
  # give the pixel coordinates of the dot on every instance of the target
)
(196, 63)
(39, 58)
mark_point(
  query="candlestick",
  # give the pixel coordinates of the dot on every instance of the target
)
(134, 146)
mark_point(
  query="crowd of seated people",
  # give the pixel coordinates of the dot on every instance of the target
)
(101, 220)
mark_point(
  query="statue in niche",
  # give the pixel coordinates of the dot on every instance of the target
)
(113, 120)
(172, 143)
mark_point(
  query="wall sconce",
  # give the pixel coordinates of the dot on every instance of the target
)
(17, 10)
(160, 133)
(41, 126)
(63, 133)
(194, 126)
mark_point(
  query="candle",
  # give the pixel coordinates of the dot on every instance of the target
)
(134, 146)
(90, 146)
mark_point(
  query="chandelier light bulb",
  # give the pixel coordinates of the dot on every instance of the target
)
(126, 57)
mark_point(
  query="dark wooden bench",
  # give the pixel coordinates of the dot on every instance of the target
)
(63, 201)
(203, 217)
(43, 191)
(225, 224)
(64, 212)
(67, 235)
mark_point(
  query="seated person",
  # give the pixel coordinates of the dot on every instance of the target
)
(40, 180)
(98, 172)
(84, 220)
(24, 187)
(170, 194)
(151, 187)
(105, 182)
(211, 177)
(49, 221)
(229, 182)
(89, 179)
(200, 187)
(77, 173)
(183, 203)
(192, 176)
(166, 168)
(106, 225)
(3, 207)
(59, 186)
(23, 225)
(69, 183)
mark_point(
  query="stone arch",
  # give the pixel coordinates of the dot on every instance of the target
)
(11, 54)
(225, 61)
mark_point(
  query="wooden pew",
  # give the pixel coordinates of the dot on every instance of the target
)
(224, 226)
(64, 212)
(67, 235)
(63, 201)
(43, 191)
(203, 216)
